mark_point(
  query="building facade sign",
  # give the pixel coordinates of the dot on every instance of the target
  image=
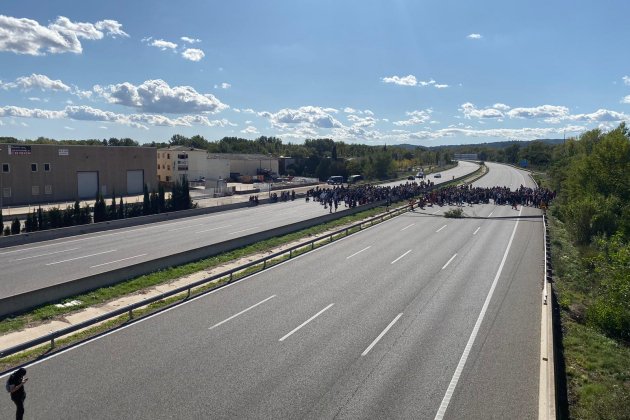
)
(19, 149)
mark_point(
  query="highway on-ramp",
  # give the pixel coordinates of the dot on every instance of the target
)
(417, 317)
(34, 266)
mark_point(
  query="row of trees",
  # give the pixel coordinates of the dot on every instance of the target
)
(152, 203)
(591, 175)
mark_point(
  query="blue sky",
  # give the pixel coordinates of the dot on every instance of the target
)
(373, 72)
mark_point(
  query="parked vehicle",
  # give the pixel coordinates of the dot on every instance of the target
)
(354, 178)
(335, 180)
(437, 176)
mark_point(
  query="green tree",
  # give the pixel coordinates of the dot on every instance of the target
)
(146, 204)
(15, 226)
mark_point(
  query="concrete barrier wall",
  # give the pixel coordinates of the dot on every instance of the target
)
(25, 301)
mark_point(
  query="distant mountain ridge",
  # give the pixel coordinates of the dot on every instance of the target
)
(493, 145)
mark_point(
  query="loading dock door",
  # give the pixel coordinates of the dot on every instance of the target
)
(135, 181)
(87, 184)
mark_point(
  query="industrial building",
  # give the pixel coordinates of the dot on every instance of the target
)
(175, 162)
(41, 173)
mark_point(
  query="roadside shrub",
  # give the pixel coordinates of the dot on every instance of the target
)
(454, 213)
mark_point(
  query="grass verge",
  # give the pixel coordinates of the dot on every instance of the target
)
(597, 367)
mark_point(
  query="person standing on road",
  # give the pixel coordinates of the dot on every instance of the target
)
(18, 394)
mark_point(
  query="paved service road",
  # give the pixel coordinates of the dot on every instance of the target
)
(418, 317)
(31, 267)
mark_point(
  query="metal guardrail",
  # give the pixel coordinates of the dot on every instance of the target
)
(229, 275)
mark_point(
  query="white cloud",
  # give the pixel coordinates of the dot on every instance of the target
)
(250, 130)
(601, 115)
(474, 36)
(34, 81)
(223, 85)
(349, 110)
(470, 111)
(190, 40)
(248, 111)
(69, 128)
(361, 121)
(27, 36)
(368, 112)
(626, 99)
(626, 80)
(417, 117)
(34, 99)
(193, 54)
(501, 107)
(158, 96)
(111, 27)
(409, 80)
(306, 117)
(163, 45)
(542, 111)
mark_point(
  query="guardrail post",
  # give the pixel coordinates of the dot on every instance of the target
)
(188, 295)
(312, 245)
(130, 313)
(52, 343)
(231, 277)
(290, 253)
(264, 264)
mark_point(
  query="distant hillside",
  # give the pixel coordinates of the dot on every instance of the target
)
(493, 145)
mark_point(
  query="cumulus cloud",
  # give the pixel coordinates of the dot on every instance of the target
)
(36, 81)
(27, 36)
(626, 80)
(87, 113)
(626, 99)
(417, 117)
(470, 111)
(157, 96)
(474, 36)
(306, 116)
(163, 45)
(542, 111)
(601, 115)
(361, 121)
(501, 107)
(190, 40)
(223, 86)
(411, 80)
(250, 130)
(193, 54)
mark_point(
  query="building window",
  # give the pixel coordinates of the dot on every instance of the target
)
(158, 166)
(35, 190)
(168, 178)
(6, 168)
(6, 192)
(168, 156)
(48, 189)
(33, 168)
(168, 168)
(46, 167)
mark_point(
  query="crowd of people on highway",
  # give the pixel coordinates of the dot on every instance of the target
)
(422, 194)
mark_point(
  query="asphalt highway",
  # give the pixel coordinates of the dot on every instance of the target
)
(34, 266)
(417, 317)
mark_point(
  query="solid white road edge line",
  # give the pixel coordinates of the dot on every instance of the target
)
(449, 261)
(440, 229)
(44, 255)
(123, 259)
(462, 361)
(84, 256)
(391, 324)
(475, 232)
(242, 312)
(306, 322)
(397, 259)
(407, 227)
(358, 252)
